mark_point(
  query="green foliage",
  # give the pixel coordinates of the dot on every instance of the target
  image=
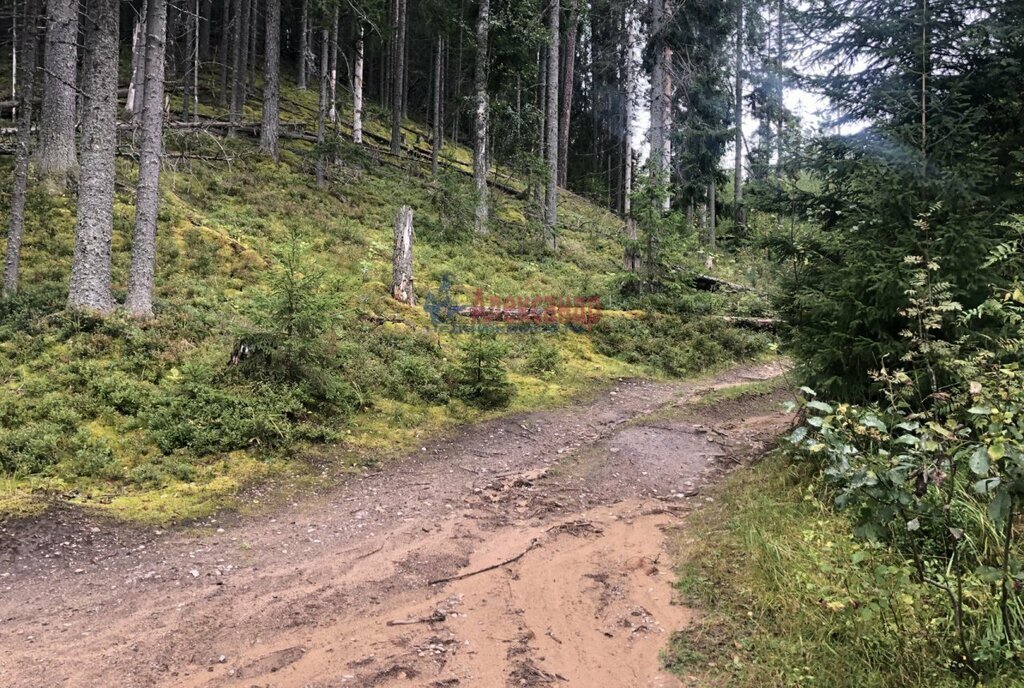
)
(481, 378)
(937, 471)
(292, 342)
(676, 345)
(789, 597)
(202, 414)
(454, 201)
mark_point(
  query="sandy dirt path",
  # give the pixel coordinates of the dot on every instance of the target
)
(525, 551)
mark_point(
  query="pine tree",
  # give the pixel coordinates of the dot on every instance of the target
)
(139, 302)
(90, 268)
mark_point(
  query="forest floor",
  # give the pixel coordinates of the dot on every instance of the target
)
(529, 550)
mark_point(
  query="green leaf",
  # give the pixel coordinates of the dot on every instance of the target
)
(999, 508)
(872, 421)
(798, 435)
(997, 451)
(979, 462)
(986, 485)
(980, 410)
(820, 406)
(908, 439)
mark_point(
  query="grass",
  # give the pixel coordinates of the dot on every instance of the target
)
(789, 598)
(149, 422)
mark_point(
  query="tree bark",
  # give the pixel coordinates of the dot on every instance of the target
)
(240, 62)
(254, 32)
(567, 84)
(401, 260)
(303, 44)
(480, 118)
(631, 260)
(551, 198)
(90, 268)
(542, 99)
(27, 56)
(321, 114)
(712, 235)
(661, 97)
(205, 19)
(227, 33)
(133, 101)
(57, 160)
(357, 89)
(437, 136)
(627, 97)
(139, 302)
(737, 172)
(333, 112)
(397, 76)
(271, 81)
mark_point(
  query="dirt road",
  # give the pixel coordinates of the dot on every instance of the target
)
(525, 551)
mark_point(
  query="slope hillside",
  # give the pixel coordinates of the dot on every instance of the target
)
(277, 350)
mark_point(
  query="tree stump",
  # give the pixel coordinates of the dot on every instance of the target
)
(401, 258)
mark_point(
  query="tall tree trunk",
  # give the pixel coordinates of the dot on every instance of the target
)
(357, 89)
(90, 267)
(712, 232)
(271, 81)
(551, 198)
(27, 56)
(333, 113)
(56, 158)
(205, 19)
(228, 20)
(404, 38)
(661, 96)
(779, 58)
(480, 116)
(627, 116)
(437, 136)
(321, 114)
(457, 115)
(254, 32)
(539, 189)
(133, 101)
(241, 59)
(567, 83)
(737, 172)
(401, 258)
(397, 77)
(139, 302)
(303, 44)
(190, 100)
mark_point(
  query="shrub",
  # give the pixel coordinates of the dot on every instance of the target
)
(199, 415)
(543, 357)
(937, 471)
(674, 345)
(482, 379)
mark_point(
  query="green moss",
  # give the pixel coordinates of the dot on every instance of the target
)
(149, 421)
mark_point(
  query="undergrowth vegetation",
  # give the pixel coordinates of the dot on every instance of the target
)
(275, 336)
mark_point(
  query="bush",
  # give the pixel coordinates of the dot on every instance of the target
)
(937, 472)
(206, 418)
(543, 358)
(674, 345)
(482, 379)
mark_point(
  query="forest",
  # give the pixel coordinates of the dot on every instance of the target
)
(756, 265)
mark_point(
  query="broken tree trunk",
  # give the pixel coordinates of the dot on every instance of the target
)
(401, 265)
